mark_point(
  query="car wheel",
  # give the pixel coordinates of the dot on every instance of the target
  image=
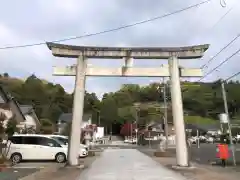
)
(16, 158)
(60, 157)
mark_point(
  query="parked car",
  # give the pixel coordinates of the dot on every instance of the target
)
(193, 140)
(237, 138)
(65, 139)
(131, 140)
(38, 147)
(210, 139)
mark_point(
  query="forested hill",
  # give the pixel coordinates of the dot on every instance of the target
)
(199, 99)
(50, 100)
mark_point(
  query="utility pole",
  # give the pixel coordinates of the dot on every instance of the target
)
(229, 125)
(198, 141)
(137, 110)
(131, 132)
(165, 114)
(99, 120)
(136, 130)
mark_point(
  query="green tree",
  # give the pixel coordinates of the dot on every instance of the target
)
(49, 100)
(2, 129)
(67, 129)
(11, 126)
(109, 110)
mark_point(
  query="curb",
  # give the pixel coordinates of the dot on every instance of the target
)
(81, 166)
(183, 168)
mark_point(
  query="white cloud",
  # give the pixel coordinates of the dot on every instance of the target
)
(41, 20)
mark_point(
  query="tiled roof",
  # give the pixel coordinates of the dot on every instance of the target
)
(26, 108)
(67, 117)
(203, 127)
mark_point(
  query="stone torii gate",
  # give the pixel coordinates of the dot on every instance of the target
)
(81, 70)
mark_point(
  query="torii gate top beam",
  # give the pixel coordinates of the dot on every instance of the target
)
(71, 51)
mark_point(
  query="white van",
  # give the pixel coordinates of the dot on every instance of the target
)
(36, 147)
(65, 140)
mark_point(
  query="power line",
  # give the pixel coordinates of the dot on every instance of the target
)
(110, 30)
(224, 15)
(220, 19)
(211, 59)
(220, 64)
(236, 74)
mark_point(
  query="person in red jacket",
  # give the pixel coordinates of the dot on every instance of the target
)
(223, 152)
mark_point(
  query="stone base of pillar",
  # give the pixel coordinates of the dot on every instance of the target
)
(178, 167)
(80, 166)
(163, 154)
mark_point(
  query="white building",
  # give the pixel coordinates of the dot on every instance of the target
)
(24, 114)
(31, 120)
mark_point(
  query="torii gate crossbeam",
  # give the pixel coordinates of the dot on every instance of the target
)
(173, 54)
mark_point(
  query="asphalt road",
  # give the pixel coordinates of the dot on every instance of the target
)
(207, 154)
(15, 174)
(26, 168)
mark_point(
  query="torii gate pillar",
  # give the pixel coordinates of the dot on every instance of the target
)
(78, 104)
(177, 111)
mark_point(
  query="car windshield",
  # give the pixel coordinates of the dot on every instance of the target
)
(63, 140)
(59, 141)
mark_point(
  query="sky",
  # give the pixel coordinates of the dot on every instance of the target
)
(26, 21)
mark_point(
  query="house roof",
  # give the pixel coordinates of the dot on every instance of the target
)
(203, 127)
(19, 110)
(1, 100)
(67, 117)
(26, 109)
(6, 98)
(155, 123)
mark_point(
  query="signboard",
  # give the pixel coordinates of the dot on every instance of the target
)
(223, 118)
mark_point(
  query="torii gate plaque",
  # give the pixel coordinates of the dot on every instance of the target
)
(173, 71)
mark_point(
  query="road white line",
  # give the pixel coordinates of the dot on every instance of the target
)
(27, 167)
